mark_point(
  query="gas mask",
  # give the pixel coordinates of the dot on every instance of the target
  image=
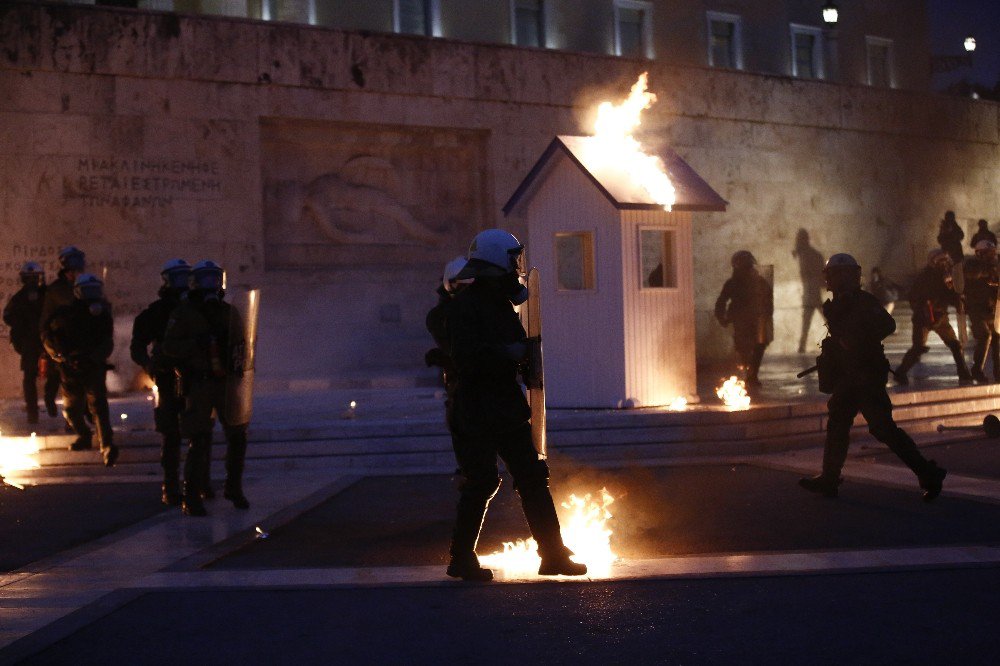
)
(514, 290)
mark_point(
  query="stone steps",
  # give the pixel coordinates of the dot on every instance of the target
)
(587, 435)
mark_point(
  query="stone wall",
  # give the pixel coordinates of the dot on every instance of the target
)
(339, 171)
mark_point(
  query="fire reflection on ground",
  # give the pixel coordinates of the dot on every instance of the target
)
(585, 531)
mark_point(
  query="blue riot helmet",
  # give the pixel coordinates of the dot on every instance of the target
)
(176, 274)
(208, 278)
(32, 274)
(72, 258)
(88, 287)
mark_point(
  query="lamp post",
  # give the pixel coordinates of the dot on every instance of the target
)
(831, 16)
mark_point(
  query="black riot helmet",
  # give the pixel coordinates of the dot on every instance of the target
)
(842, 272)
(88, 287)
(743, 260)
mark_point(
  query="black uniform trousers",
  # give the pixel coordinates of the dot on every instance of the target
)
(985, 335)
(205, 398)
(874, 404)
(85, 390)
(166, 417)
(947, 334)
(477, 460)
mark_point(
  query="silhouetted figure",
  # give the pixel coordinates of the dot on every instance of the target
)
(982, 233)
(853, 369)
(884, 289)
(810, 271)
(950, 237)
(931, 294)
(747, 302)
(22, 314)
(981, 279)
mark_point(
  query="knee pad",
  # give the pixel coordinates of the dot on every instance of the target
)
(480, 488)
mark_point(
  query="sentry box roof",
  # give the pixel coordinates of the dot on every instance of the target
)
(692, 192)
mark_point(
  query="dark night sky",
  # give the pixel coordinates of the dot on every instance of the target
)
(951, 21)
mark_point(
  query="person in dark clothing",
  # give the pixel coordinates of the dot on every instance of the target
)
(950, 237)
(22, 313)
(983, 233)
(79, 337)
(72, 263)
(981, 280)
(747, 302)
(490, 414)
(854, 369)
(145, 349)
(205, 340)
(932, 292)
(437, 326)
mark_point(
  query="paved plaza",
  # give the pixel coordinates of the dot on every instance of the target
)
(722, 559)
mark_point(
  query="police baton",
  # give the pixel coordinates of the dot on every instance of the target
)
(991, 426)
(807, 371)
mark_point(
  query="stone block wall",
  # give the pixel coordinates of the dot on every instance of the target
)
(339, 171)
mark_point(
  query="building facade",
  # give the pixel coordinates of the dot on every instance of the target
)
(881, 43)
(339, 170)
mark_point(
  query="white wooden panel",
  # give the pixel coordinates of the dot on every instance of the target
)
(659, 332)
(582, 330)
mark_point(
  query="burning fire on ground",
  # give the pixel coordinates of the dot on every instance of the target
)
(585, 531)
(16, 455)
(614, 143)
(733, 393)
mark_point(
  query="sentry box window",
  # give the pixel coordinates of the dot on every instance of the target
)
(656, 258)
(574, 261)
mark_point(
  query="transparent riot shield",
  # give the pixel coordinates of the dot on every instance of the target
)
(242, 354)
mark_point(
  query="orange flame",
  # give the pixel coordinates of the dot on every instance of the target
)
(18, 454)
(613, 137)
(733, 393)
(585, 532)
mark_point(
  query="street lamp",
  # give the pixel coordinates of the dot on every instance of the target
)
(970, 43)
(830, 14)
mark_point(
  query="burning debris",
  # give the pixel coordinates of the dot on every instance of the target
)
(613, 143)
(585, 531)
(733, 393)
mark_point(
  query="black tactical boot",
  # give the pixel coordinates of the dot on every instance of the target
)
(82, 443)
(559, 564)
(194, 472)
(233, 491)
(931, 480)
(170, 493)
(110, 454)
(467, 568)
(192, 505)
(236, 452)
(50, 406)
(821, 485)
(979, 376)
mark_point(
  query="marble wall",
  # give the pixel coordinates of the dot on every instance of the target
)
(339, 171)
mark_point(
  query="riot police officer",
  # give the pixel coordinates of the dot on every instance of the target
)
(981, 280)
(204, 339)
(746, 301)
(145, 349)
(21, 314)
(853, 369)
(490, 414)
(79, 337)
(72, 263)
(437, 326)
(932, 292)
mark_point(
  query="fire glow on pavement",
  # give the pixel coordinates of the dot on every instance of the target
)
(585, 531)
(16, 455)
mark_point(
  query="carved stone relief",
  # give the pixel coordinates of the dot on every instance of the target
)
(341, 195)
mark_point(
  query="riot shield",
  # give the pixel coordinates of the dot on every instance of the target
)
(245, 306)
(534, 377)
